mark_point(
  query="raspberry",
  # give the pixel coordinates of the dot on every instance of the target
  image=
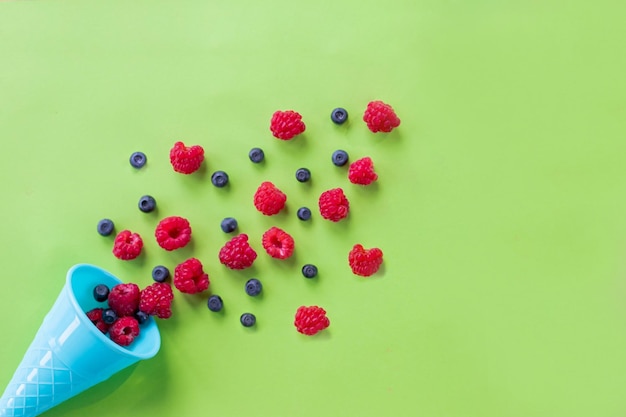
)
(124, 331)
(190, 278)
(156, 300)
(124, 299)
(268, 199)
(173, 233)
(278, 243)
(380, 117)
(186, 159)
(362, 172)
(365, 262)
(127, 245)
(237, 253)
(310, 320)
(286, 124)
(334, 205)
(95, 316)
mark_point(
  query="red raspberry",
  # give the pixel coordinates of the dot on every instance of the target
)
(190, 278)
(286, 124)
(268, 199)
(173, 232)
(186, 159)
(124, 299)
(124, 330)
(278, 243)
(365, 262)
(362, 172)
(95, 316)
(310, 320)
(334, 205)
(156, 300)
(380, 117)
(237, 253)
(127, 245)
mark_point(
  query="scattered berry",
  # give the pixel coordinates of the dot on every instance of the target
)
(334, 205)
(286, 124)
(365, 262)
(127, 245)
(124, 331)
(124, 299)
(219, 179)
(253, 287)
(215, 303)
(362, 172)
(147, 204)
(247, 319)
(105, 227)
(156, 300)
(268, 199)
(109, 316)
(228, 225)
(95, 316)
(303, 175)
(237, 253)
(173, 233)
(138, 159)
(310, 320)
(160, 273)
(256, 155)
(186, 159)
(380, 117)
(190, 278)
(339, 116)
(309, 271)
(141, 317)
(278, 243)
(101, 292)
(340, 158)
(304, 213)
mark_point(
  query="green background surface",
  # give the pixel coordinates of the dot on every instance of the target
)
(500, 205)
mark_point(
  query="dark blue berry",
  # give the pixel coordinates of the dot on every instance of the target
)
(247, 319)
(101, 292)
(219, 179)
(229, 225)
(339, 115)
(142, 317)
(304, 213)
(138, 159)
(253, 287)
(105, 227)
(215, 303)
(340, 158)
(303, 175)
(160, 273)
(109, 316)
(309, 271)
(147, 204)
(256, 155)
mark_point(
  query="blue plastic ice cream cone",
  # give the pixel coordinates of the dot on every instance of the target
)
(69, 354)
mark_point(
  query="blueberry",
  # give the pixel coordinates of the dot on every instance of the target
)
(340, 158)
(228, 225)
(215, 303)
(253, 287)
(147, 204)
(142, 317)
(303, 175)
(256, 155)
(247, 319)
(105, 227)
(309, 271)
(304, 213)
(219, 179)
(339, 116)
(101, 292)
(138, 159)
(160, 273)
(109, 316)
